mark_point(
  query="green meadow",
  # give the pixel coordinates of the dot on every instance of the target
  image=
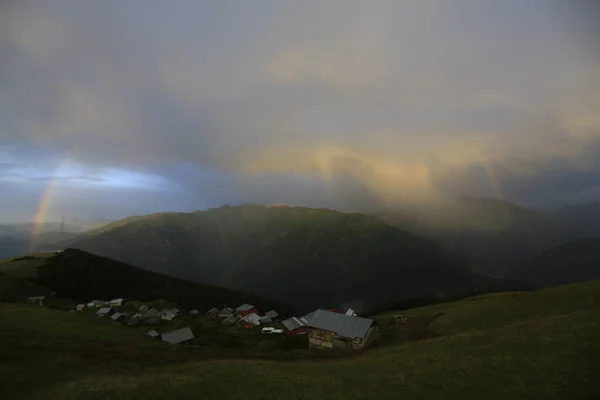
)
(527, 345)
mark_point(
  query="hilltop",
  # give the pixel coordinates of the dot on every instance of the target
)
(305, 257)
(81, 277)
(526, 345)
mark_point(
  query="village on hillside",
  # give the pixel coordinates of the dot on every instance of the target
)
(325, 328)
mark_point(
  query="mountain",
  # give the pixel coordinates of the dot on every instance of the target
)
(13, 246)
(575, 261)
(495, 236)
(79, 276)
(584, 218)
(305, 257)
(20, 238)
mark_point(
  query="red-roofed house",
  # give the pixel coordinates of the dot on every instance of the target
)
(246, 309)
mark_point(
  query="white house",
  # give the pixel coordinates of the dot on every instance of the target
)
(115, 302)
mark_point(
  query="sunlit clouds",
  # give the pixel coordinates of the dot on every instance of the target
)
(335, 103)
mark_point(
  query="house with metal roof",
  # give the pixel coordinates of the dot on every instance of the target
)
(328, 329)
(297, 325)
(178, 336)
(117, 316)
(250, 320)
(153, 334)
(167, 316)
(226, 312)
(104, 311)
(38, 300)
(246, 309)
(115, 302)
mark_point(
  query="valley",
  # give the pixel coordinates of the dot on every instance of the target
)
(444, 327)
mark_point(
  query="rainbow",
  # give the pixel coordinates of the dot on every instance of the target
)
(44, 204)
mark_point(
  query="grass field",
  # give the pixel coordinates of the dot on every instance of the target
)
(534, 345)
(25, 266)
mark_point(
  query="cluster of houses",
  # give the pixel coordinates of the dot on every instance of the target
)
(325, 328)
(37, 300)
(246, 316)
(144, 315)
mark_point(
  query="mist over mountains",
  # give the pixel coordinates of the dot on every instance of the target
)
(308, 257)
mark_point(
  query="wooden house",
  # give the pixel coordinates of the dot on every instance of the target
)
(297, 325)
(168, 315)
(250, 321)
(115, 303)
(226, 312)
(328, 329)
(246, 309)
(104, 311)
(269, 317)
(37, 300)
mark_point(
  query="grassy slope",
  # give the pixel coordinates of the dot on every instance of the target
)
(14, 289)
(24, 266)
(537, 345)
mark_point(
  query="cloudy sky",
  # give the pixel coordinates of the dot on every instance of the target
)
(131, 107)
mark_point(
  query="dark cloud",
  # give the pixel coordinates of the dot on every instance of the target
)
(298, 102)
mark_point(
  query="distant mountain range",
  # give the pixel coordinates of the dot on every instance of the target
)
(305, 257)
(571, 262)
(18, 239)
(496, 236)
(315, 257)
(583, 218)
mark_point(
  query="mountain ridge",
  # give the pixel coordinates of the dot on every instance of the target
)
(314, 256)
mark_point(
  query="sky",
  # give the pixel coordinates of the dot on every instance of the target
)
(113, 108)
